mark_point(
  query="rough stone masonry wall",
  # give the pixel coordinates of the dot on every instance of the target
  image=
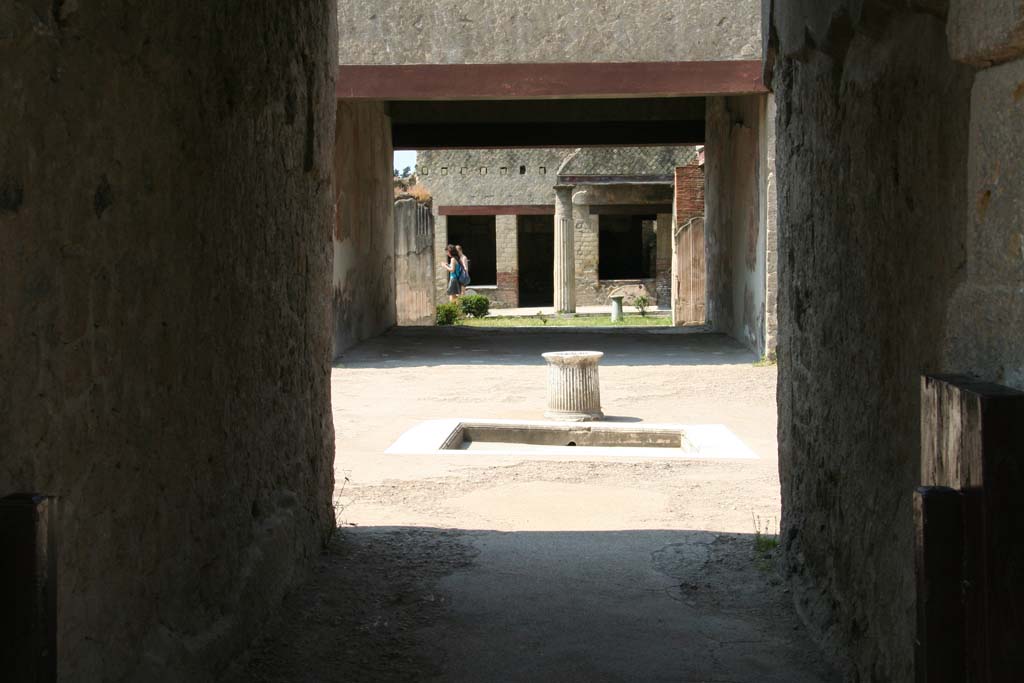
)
(872, 146)
(164, 316)
(735, 240)
(547, 31)
(364, 231)
(414, 263)
(490, 177)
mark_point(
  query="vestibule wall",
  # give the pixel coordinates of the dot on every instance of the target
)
(735, 216)
(364, 231)
(872, 165)
(164, 326)
(414, 263)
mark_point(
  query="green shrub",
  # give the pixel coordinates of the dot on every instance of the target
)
(448, 314)
(642, 303)
(475, 305)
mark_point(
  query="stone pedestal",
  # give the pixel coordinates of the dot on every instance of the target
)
(574, 390)
(565, 251)
(617, 308)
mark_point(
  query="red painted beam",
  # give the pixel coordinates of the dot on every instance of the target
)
(494, 210)
(539, 81)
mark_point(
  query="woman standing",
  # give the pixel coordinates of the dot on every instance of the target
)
(464, 262)
(454, 268)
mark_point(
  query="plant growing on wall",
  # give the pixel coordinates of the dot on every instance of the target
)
(475, 305)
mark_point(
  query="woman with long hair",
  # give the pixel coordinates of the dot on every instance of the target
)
(464, 262)
(454, 268)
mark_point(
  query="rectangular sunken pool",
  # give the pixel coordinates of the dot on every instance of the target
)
(489, 436)
(569, 440)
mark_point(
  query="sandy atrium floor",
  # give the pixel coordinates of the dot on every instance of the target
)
(475, 567)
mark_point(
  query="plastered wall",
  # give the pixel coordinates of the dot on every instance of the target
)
(364, 231)
(414, 263)
(164, 316)
(734, 227)
(873, 243)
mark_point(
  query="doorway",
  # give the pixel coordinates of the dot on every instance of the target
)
(476, 236)
(536, 248)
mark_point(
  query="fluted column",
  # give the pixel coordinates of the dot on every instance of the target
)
(574, 388)
(565, 251)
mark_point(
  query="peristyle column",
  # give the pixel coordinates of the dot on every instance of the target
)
(565, 251)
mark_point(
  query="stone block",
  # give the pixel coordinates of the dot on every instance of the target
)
(983, 32)
(995, 245)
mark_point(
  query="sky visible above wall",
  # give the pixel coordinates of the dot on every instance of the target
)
(403, 159)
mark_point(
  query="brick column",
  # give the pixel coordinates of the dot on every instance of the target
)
(586, 246)
(689, 276)
(565, 252)
(506, 241)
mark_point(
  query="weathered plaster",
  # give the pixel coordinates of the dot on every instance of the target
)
(735, 220)
(164, 316)
(986, 317)
(871, 245)
(364, 232)
(414, 263)
(769, 213)
(546, 31)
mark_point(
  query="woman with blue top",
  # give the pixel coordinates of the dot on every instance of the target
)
(454, 268)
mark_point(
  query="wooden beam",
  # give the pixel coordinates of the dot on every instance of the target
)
(495, 210)
(617, 179)
(630, 209)
(540, 81)
(498, 135)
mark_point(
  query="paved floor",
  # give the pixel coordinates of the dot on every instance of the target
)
(474, 567)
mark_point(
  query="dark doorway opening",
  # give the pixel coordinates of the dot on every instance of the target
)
(536, 246)
(624, 248)
(476, 234)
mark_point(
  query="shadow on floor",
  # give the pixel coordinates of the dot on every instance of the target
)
(405, 347)
(412, 604)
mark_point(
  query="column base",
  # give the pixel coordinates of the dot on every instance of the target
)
(572, 417)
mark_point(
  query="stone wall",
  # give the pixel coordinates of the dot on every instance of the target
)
(735, 238)
(490, 177)
(872, 168)
(510, 177)
(164, 335)
(414, 263)
(364, 230)
(547, 31)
